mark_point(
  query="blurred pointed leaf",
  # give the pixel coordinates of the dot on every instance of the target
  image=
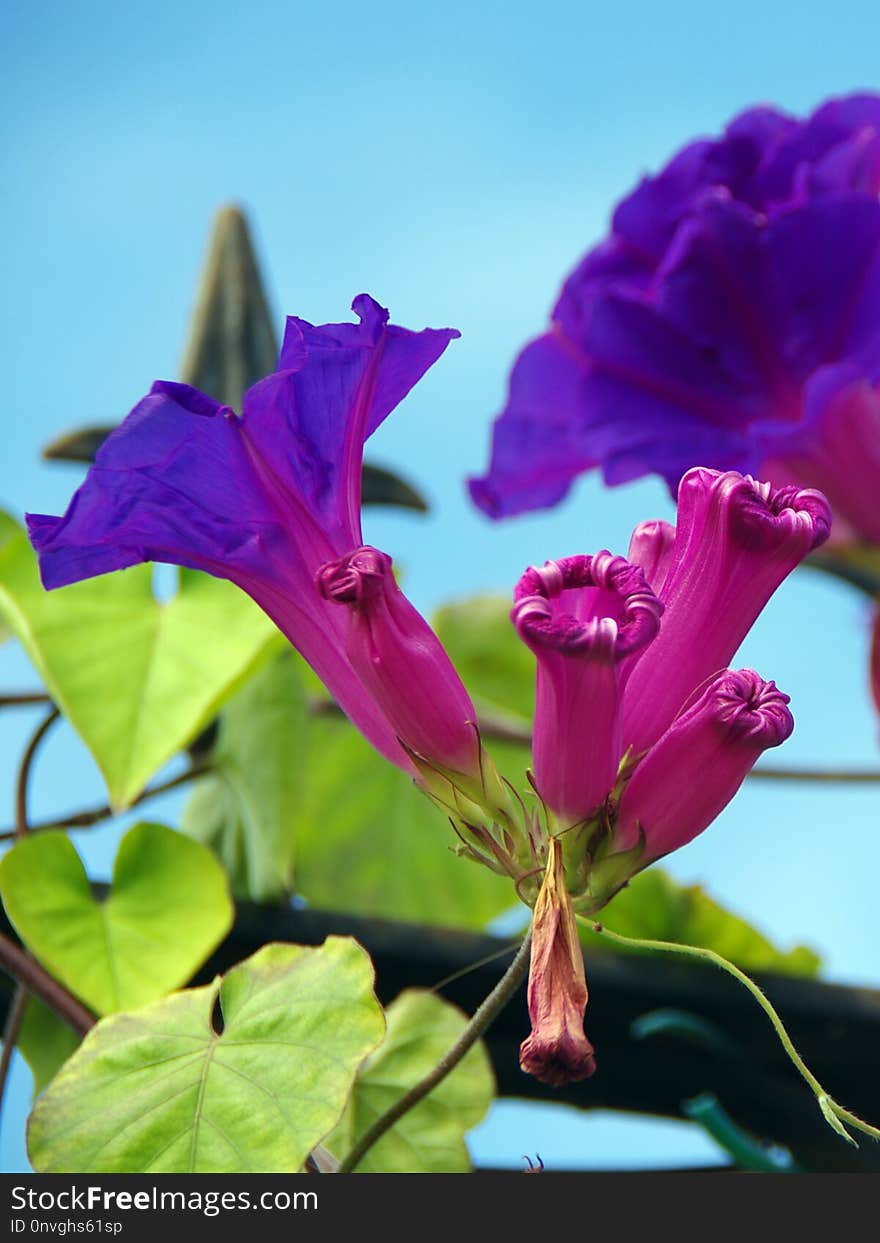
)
(496, 667)
(232, 341)
(430, 1138)
(160, 1091)
(383, 487)
(654, 906)
(369, 842)
(79, 445)
(167, 909)
(246, 808)
(45, 1042)
(379, 487)
(136, 678)
(231, 345)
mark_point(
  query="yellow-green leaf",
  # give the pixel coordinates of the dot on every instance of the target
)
(168, 907)
(159, 1090)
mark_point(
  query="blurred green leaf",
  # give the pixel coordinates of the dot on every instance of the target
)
(429, 1139)
(80, 444)
(383, 487)
(246, 808)
(158, 1090)
(135, 677)
(379, 486)
(45, 1042)
(369, 842)
(654, 906)
(496, 666)
(167, 909)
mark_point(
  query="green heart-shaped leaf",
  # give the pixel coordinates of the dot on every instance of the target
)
(495, 665)
(369, 842)
(168, 907)
(430, 1137)
(246, 807)
(137, 678)
(159, 1091)
(45, 1042)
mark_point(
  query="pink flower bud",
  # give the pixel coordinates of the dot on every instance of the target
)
(698, 765)
(401, 662)
(650, 547)
(581, 616)
(736, 540)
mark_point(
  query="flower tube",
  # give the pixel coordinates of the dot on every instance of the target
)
(735, 542)
(581, 616)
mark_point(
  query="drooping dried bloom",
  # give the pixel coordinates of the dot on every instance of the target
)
(731, 318)
(271, 501)
(557, 1050)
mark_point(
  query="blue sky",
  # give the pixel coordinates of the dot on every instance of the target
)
(453, 162)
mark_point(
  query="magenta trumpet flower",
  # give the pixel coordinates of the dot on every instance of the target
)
(624, 647)
(735, 541)
(271, 501)
(581, 616)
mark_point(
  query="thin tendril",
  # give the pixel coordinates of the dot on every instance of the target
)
(834, 1114)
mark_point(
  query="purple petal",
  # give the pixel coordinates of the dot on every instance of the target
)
(840, 455)
(535, 450)
(824, 278)
(335, 385)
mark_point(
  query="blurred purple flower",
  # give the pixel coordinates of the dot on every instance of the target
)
(271, 501)
(731, 318)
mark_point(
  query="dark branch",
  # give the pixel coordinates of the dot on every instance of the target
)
(94, 815)
(27, 971)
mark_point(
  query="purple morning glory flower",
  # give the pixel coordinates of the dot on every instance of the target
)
(730, 319)
(271, 501)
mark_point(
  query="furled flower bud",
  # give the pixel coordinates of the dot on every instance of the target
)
(736, 540)
(401, 662)
(557, 1050)
(581, 616)
(698, 765)
(650, 547)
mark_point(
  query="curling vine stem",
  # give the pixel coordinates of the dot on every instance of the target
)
(834, 1114)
